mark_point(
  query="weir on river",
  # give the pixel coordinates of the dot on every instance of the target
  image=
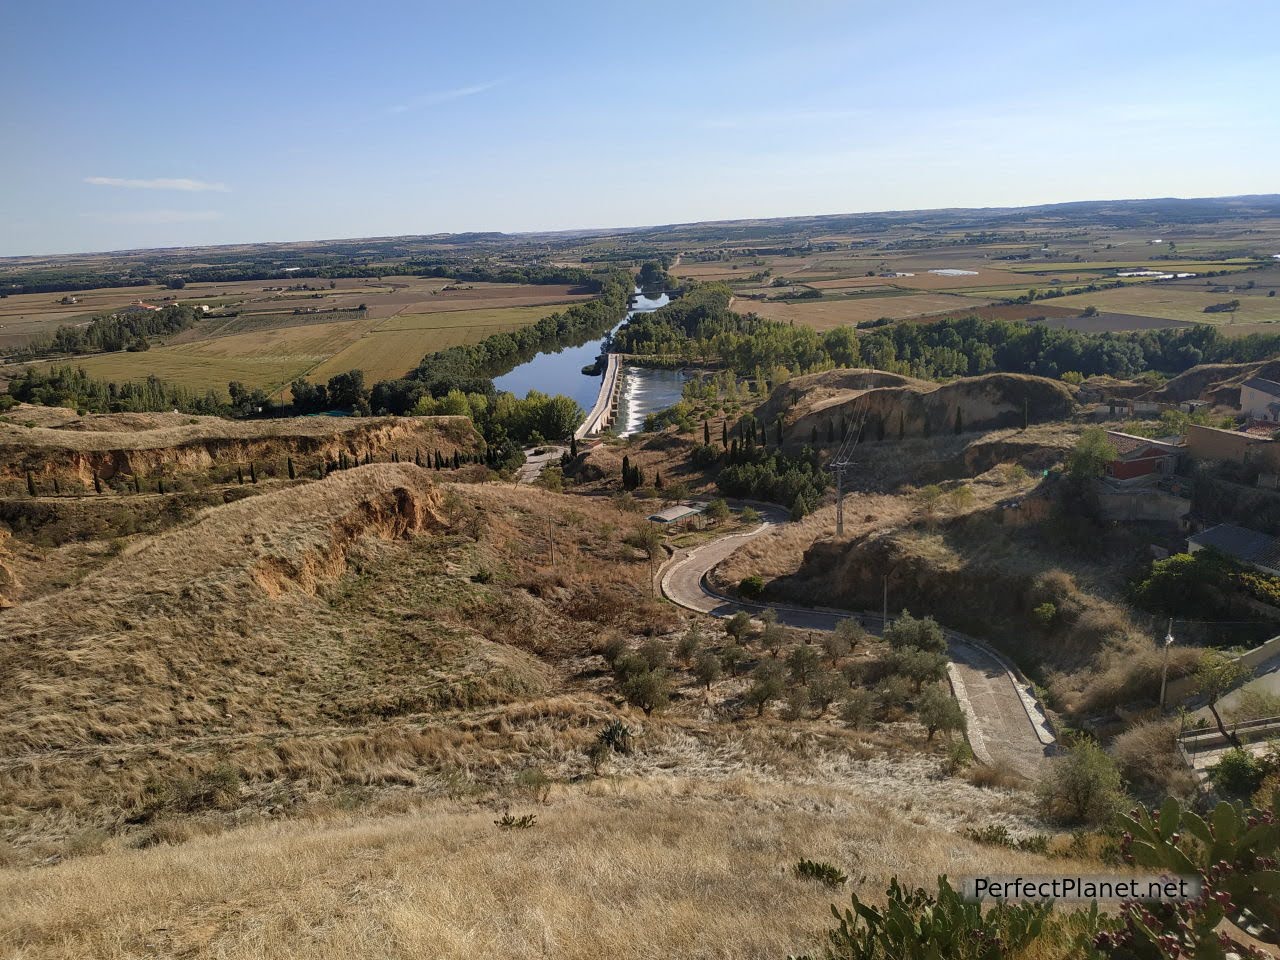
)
(622, 394)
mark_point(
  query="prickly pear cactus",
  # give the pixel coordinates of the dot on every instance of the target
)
(1233, 852)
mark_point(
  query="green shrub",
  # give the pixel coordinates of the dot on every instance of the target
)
(998, 835)
(857, 709)
(509, 822)
(825, 873)
(917, 923)
(752, 586)
(535, 783)
(1083, 786)
(1238, 774)
(924, 634)
(616, 735)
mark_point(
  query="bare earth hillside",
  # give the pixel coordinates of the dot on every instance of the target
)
(899, 407)
(57, 444)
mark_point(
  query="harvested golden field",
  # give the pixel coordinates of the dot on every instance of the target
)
(664, 865)
(828, 314)
(268, 358)
(278, 333)
(1178, 303)
(395, 345)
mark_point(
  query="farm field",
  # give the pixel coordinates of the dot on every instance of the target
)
(266, 358)
(1177, 303)
(394, 346)
(267, 345)
(24, 317)
(828, 314)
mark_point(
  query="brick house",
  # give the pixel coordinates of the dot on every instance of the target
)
(1139, 457)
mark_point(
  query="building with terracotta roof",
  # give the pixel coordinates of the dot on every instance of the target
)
(1140, 457)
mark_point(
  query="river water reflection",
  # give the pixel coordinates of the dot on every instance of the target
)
(645, 391)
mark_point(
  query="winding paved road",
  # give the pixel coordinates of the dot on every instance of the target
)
(1006, 725)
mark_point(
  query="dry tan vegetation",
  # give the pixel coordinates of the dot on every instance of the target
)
(318, 635)
(664, 866)
(55, 442)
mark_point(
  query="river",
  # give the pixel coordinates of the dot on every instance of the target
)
(644, 390)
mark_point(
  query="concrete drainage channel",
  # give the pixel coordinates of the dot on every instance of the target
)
(1006, 722)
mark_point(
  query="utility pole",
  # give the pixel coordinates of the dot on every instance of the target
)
(842, 462)
(1164, 669)
(839, 500)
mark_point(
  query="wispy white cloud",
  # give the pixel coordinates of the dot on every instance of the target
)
(441, 96)
(162, 183)
(151, 217)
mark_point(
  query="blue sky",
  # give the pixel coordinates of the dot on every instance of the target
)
(136, 124)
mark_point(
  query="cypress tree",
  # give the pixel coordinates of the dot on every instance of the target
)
(626, 469)
(395, 456)
(289, 465)
(959, 422)
(137, 484)
(159, 484)
(31, 484)
(239, 475)
(639, 478)
(724, 433)
(417, 457)
(706, 432)
(657, 480)
(779, 425)
(97, 482)
(456, 462)
(253, 472)
(831, 430)
(573, 448)
(57, 488)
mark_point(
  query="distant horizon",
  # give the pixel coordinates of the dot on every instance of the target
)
(142, 125)
(616, 228)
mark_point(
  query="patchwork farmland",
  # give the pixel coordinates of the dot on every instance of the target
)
(267, 334)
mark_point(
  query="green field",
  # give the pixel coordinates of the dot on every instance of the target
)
(272, 358)
(1176, 303)
(395, 345)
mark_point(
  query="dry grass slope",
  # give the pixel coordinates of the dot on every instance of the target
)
(666, 866)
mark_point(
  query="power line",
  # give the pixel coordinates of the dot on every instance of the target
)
(843, 460)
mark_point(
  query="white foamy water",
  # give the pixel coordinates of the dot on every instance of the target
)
(646, 390)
